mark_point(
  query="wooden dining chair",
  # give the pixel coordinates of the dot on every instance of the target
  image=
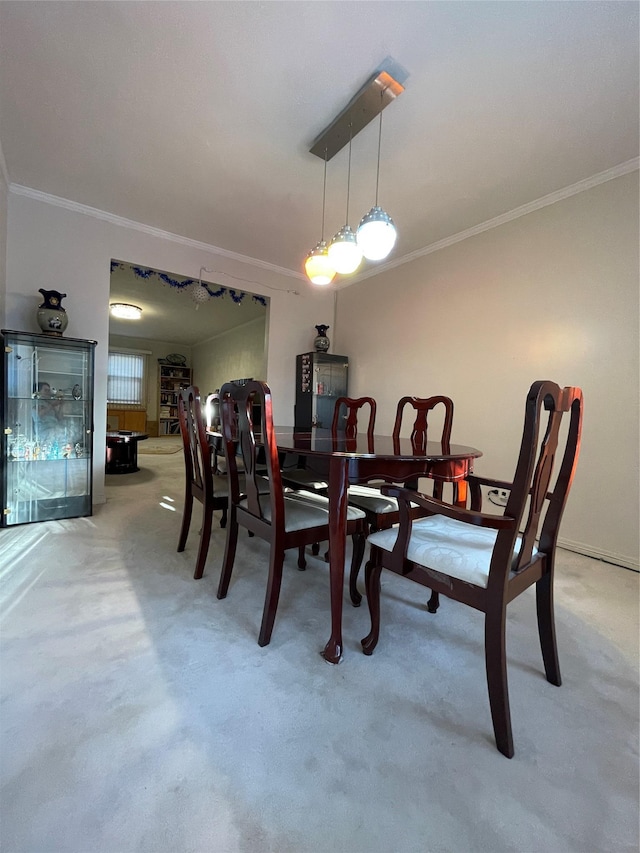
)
(200, 482)
(382, 510)
(345, 417)
(344, 423)
(285, 520)
(345, 420)
(486, 560)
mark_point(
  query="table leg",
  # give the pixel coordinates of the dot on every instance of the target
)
(337, 546)
(461, 493)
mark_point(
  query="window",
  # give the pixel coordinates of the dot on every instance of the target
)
(126, 379)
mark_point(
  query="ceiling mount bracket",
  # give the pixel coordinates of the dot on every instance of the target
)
(369, 102)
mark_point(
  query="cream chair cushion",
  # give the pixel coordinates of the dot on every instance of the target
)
(460, 550)
(303, 509)
(372, 500)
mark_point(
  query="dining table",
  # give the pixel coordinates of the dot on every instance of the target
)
(347, 460)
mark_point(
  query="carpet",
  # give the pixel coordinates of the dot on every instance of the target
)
(140, 715)
(160, 446)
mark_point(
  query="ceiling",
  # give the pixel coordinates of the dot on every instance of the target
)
(197, 118)
(169, 313)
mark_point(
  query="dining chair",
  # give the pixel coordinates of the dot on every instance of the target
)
(200, 482)
(284, 519)
(344, 420)
(345, 417)
(382, 510)
(486, 560)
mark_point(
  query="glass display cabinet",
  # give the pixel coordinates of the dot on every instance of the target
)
(47, 426)
(320, 379)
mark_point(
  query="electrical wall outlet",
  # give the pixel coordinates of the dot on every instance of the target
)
(498, 496)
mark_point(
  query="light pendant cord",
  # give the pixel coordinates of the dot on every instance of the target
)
(346, 222)
(324, 193)
(378, 169)
(379, 145)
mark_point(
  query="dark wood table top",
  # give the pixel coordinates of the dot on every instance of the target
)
(126, 435)
(321, 442)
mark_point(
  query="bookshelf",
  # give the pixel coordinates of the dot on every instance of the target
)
(171, 380)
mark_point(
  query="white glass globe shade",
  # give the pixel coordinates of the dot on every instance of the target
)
(318, 267)
(199, 293)
(344, 252)
(376, 234)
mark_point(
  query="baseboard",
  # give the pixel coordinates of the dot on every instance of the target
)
(606, 556)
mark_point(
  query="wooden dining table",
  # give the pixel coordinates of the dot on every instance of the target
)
(349, 460)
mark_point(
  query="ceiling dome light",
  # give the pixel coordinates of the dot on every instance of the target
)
(317, 265)
(344, 252)
(376, 234)
(125, 311)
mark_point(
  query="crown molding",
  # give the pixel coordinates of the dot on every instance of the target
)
(112, 218)
(559, 195)
(552, 198)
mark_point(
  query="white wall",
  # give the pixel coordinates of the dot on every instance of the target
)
(236, 354)
(68, 250)
(3, 247)
(552, 295)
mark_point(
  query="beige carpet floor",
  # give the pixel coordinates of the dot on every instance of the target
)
(139, 713)
(160, 446)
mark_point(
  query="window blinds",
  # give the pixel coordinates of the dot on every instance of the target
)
(125, 379)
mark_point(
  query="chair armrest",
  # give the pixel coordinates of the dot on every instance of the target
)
(438, 507)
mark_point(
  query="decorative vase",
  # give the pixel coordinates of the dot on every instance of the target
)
(321, 342)
(52, 318)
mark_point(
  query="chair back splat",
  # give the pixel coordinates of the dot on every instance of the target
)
(486, 560)
(345, 418)
(199, 479)
(422, 406)
(238, 409)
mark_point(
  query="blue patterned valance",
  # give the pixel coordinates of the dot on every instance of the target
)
(182, 283)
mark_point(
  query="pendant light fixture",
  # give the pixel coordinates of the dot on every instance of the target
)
(199, 292)
(317, 265)
(344, 252)
(376, 234)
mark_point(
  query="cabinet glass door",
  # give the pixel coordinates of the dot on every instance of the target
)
(320, 379)
(48, 428)
(330, 382)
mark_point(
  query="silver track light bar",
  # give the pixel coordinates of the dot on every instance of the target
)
(374, 96)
